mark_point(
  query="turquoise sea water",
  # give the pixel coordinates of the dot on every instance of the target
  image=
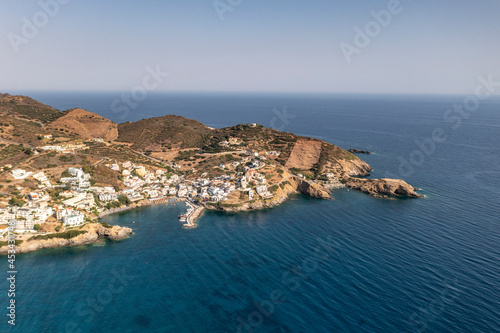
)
(353, 264)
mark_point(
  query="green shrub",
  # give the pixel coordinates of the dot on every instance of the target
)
(114, 204)
(65, 235)
(273, 188)
(17, 242)
(66, 158)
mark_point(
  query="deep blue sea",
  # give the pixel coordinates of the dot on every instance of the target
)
(353, 264)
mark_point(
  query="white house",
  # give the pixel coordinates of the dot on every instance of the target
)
(76, 172)
(73, 220)
(22, 225)
(263, 192)
(182, 193)
(20, 173)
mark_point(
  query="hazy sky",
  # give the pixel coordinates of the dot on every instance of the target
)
(438, 46)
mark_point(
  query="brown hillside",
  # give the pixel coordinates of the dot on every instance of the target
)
(158, 132)
(305, 154)
(85, 124)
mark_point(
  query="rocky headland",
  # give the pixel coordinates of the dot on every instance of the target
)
(90, 233)
(384, 188)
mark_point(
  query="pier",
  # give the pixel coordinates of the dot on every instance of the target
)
(193, 213)
(333, 184)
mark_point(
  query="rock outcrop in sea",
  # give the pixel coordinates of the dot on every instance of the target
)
(383, 188)
(359, 151)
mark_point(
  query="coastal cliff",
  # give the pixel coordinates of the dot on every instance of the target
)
(354, 167)
(314, 190)
(93, 232)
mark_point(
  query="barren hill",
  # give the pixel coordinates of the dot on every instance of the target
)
(27, 108)
(167, 131)
(86, 125)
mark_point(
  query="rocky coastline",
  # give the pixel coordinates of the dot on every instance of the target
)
(93, 232)
(295, 185)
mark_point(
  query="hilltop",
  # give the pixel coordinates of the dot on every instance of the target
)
(85, 125)
(27, 108)
(160, 133)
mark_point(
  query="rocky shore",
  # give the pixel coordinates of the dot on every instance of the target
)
(94, 231)
(378, 188)
(383, 188)
(295, 185)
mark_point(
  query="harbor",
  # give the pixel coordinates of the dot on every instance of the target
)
(193, 213)
(188, 219)
(143, 203)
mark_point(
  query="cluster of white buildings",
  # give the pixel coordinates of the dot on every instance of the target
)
(81, 200)
(78, 178)
(39, 208)
(65, 149)
(36, 211)
(206, 189)
(140, 184)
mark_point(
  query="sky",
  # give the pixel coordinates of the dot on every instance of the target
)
(332, 46)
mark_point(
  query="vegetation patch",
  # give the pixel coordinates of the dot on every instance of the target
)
(64, 235)
(17, 242)
(273, 188)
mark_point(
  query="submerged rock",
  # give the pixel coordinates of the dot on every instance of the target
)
(358, 151)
